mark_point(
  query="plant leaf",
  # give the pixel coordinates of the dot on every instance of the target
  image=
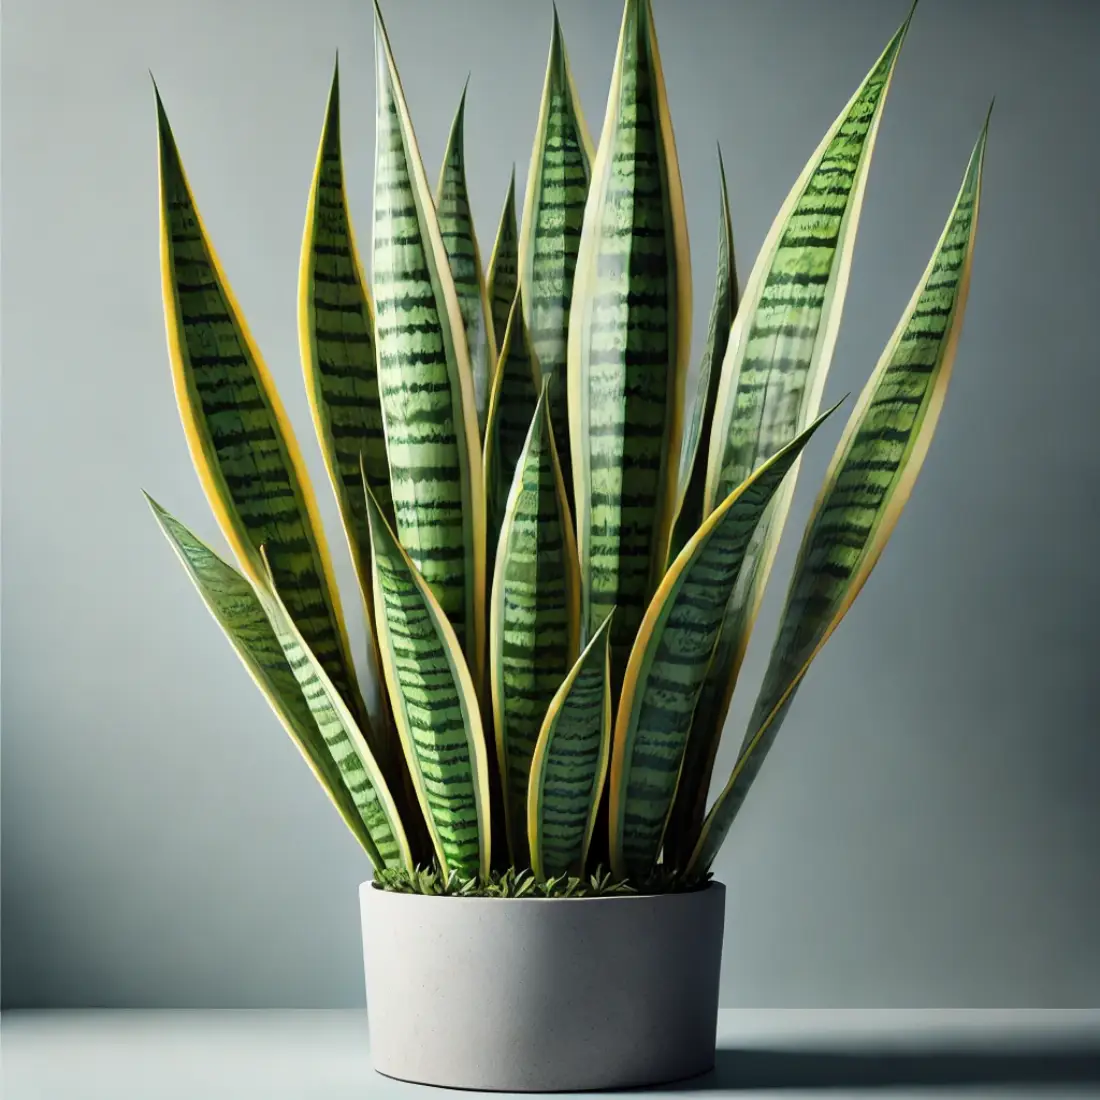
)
(424, 375)
(670, 658)
(503, 279)
(868, 483)
(511, 407)
(435, 705)
(456, 226)
(241, 442)
(553, 214)
(689, 806)
(570, 763)
(780, 348)
(534, 615)
(336, 334)
(338, 727)
(629, 339)
(333, 756)
(336, 337)
(689, 509)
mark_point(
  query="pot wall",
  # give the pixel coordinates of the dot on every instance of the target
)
(542, 995)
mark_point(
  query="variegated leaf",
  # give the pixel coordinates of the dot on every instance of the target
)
(868, 483)
(569, 766)
(534, 615)
(629, 336)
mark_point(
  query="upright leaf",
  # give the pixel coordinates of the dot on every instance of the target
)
(336, 337)
(503, 278)
(693, 470)
(570, 764)
(332, 756)
(435, 705)
(511, 407)
(779, 351)
(553, 215)
(240, 439)
(868, 483)
(629, 338)
(668, 663)
(456, 225)
(534, 615)
(424, 374)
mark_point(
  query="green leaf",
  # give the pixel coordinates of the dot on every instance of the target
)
(670, 658)
(503, 278)
(241, 442)
(553, 215)
(456, 225)
(629, 339)
(781, 345)
(534, 615)
(435, 705)
(339, 729)
(868, 483)
(570, 764)
(688, 809)
(336, 336)
(335, 751)
(424, 375)
(689, 509)
(511, 407)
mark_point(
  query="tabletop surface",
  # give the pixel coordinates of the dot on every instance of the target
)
(279, 1055)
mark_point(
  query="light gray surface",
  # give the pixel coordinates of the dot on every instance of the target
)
(542, 996)
(924, 831)
(279, 1055)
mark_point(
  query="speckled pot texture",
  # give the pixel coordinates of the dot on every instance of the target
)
(542, 995)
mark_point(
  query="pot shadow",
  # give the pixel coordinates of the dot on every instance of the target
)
(762, 1069)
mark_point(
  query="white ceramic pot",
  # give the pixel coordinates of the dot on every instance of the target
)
(541, 995)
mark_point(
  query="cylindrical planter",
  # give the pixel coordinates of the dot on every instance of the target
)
(540, 995)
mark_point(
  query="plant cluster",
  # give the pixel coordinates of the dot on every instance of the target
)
(561, 555)
(510, 883)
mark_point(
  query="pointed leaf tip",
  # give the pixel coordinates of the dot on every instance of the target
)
(904, 29)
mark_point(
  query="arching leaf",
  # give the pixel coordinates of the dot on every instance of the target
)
(332, 751)
(868, 483)
(781, 346)
(669, 660)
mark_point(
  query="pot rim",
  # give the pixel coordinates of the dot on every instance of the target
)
(712, 886)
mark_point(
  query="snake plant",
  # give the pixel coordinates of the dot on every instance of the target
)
(560, 555)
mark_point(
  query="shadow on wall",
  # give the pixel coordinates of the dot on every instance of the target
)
(854, 1069)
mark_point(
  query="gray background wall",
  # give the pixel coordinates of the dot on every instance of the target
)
(926, 830)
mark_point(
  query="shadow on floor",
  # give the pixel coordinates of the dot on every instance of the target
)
(855, 1069)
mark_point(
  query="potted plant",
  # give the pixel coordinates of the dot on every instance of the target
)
(560, 556)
